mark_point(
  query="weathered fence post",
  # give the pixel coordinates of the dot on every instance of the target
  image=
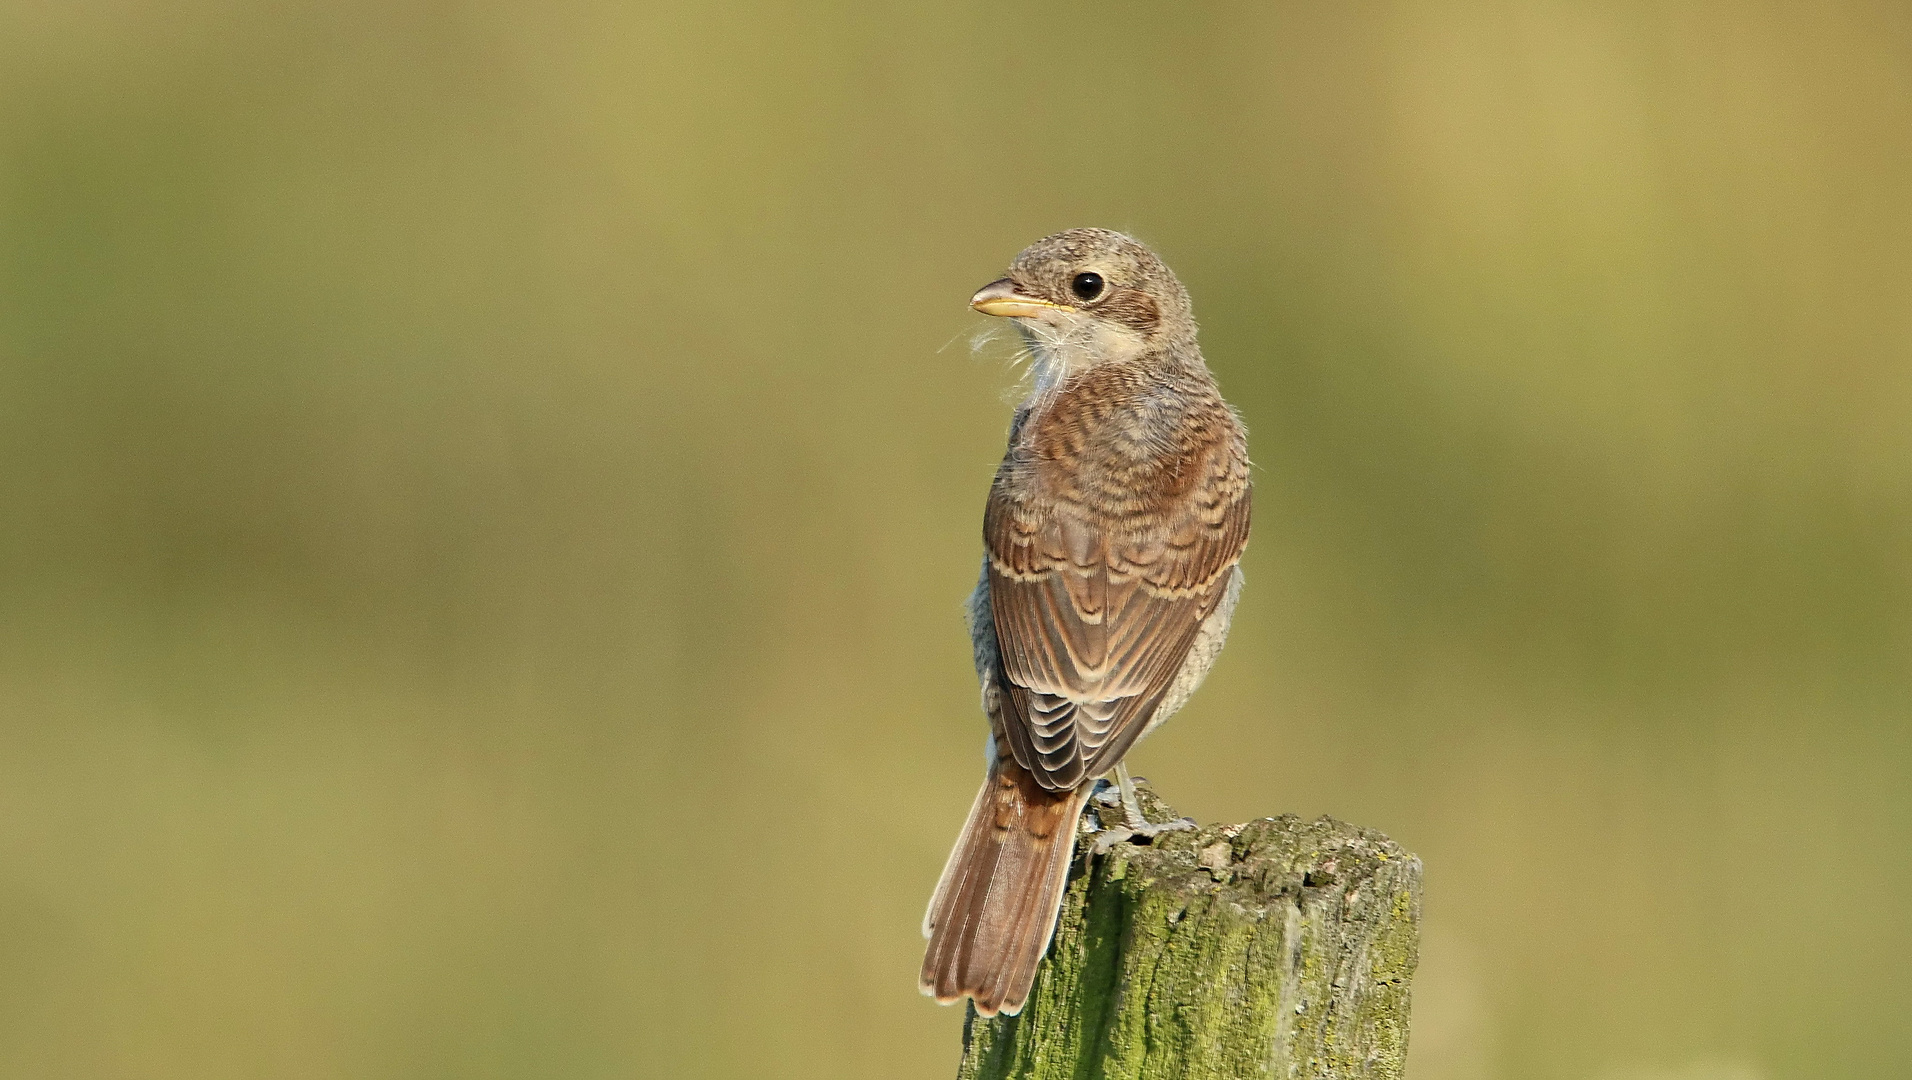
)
(1278, 948)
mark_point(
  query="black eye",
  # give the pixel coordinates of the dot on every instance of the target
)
(1086, 286)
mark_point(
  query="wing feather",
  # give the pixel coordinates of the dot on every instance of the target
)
(1093, 633)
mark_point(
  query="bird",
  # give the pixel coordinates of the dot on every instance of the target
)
(1113, 537)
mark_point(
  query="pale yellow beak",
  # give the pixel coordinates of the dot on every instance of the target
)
(1001, 298)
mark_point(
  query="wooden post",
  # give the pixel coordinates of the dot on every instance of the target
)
(1278, 948)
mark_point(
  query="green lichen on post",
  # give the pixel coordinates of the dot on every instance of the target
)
(1278, 948)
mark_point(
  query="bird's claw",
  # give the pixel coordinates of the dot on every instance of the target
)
(1152, 829)
(1147, 830)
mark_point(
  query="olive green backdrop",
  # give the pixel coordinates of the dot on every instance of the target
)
(486, 492)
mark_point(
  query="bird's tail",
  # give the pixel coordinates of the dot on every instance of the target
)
(995, 908)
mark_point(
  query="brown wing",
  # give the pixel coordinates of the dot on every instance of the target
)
(1095, 620)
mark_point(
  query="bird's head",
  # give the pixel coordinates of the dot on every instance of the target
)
(1090, 296)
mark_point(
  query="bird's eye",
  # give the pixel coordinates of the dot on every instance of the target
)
(1086, 286)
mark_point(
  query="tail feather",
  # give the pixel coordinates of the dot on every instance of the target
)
(995, 908)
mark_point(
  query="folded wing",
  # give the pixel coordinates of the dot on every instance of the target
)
(1095, 619)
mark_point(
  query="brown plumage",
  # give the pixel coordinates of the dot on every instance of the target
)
(1113, 533)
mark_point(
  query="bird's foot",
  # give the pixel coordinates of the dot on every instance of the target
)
(1143, 832)
(1152, 829)
(1134, 826)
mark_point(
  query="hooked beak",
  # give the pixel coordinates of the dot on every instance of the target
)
(1001, 298)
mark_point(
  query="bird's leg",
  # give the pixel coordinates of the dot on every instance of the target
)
(1134, 824)
(1131, 809)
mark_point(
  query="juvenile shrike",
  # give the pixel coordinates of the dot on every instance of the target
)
(1113, 533)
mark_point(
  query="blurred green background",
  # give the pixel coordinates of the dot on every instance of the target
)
(487, 490)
